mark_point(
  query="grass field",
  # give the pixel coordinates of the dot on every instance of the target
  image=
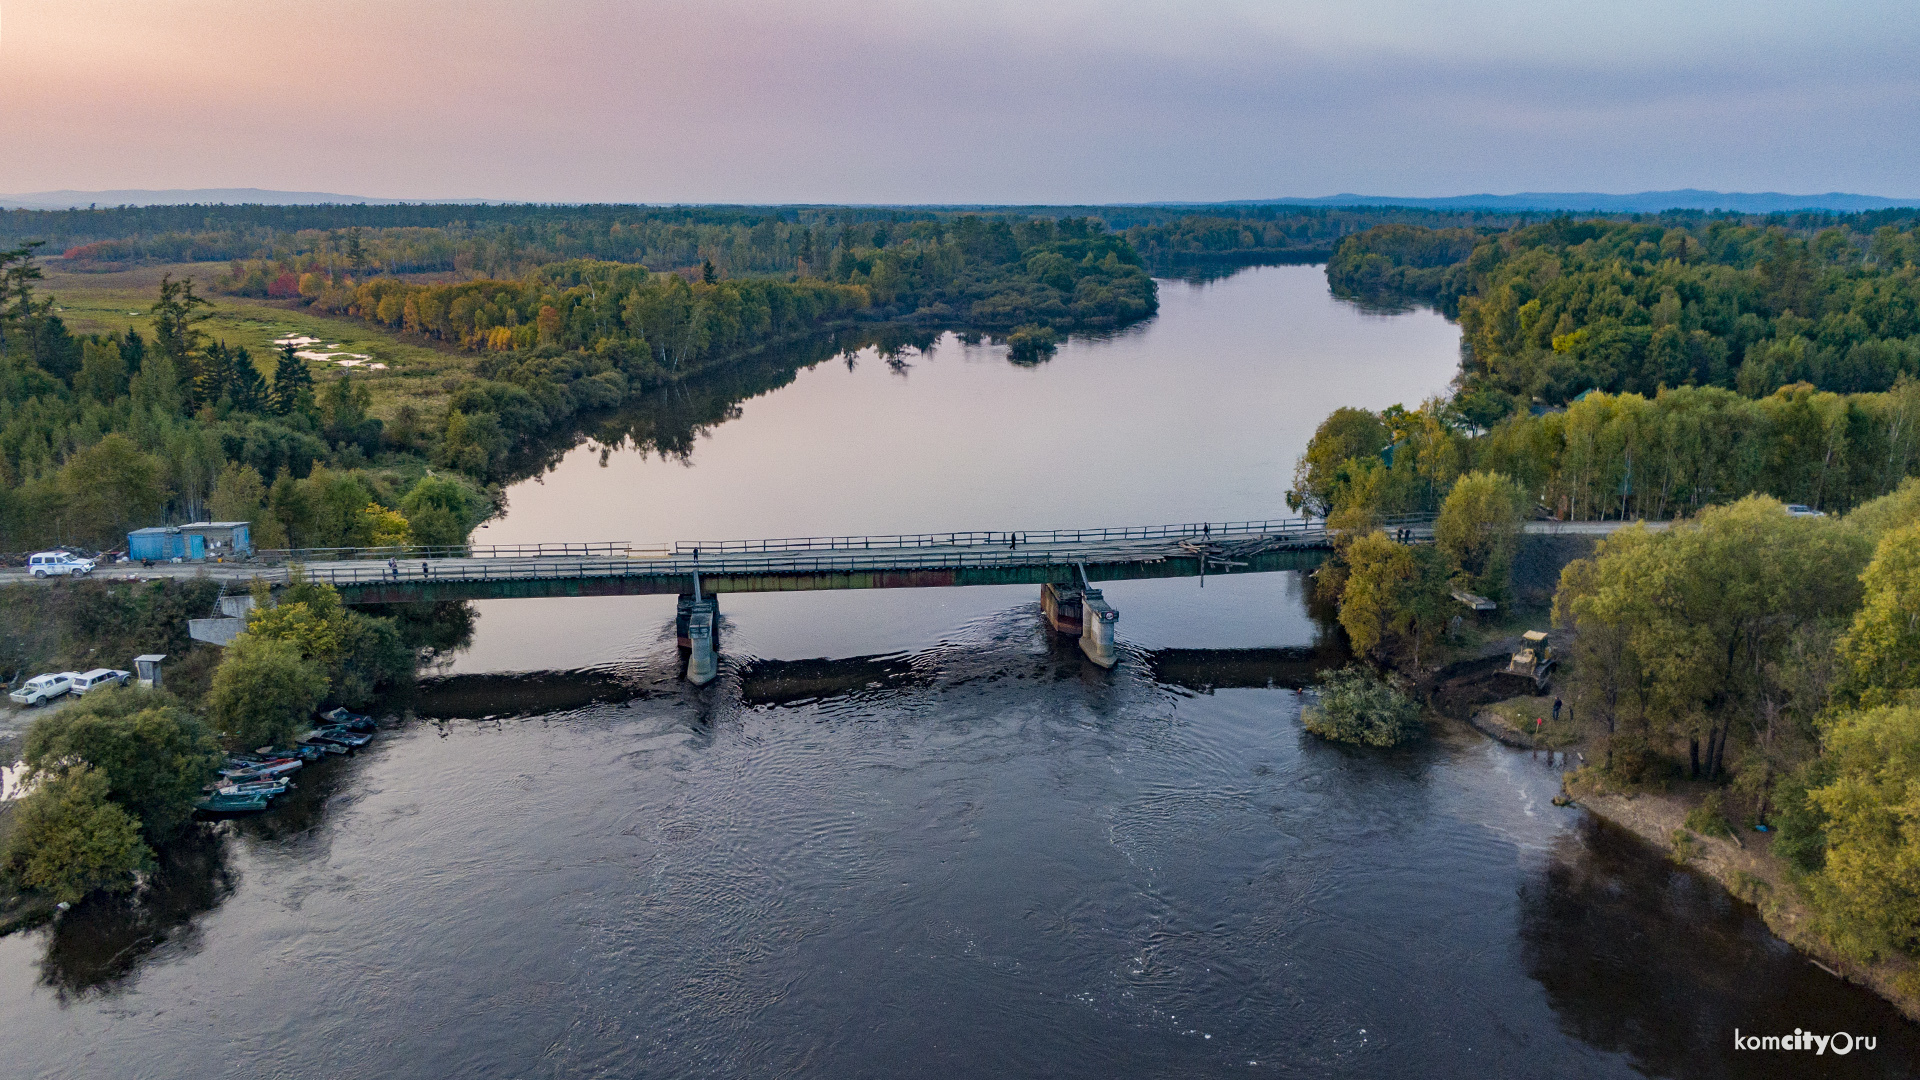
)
(112, 302)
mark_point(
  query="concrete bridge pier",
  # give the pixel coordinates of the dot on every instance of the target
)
(1085, 614)
(697, 623)
(1096, 628)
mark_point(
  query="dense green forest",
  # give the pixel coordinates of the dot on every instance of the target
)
(103, 433)
(1247, 236)
(983, 272)
(1555, 309)
(1687, 367)
(508, 240)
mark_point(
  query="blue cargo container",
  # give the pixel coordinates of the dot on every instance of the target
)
(163, 542)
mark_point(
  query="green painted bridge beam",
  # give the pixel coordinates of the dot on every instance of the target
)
(437, 590)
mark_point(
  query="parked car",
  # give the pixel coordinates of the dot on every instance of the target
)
(100, 677)
(43, 688)
(1798, 510)
(58, 564)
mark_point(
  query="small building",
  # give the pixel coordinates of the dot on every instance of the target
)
(221, 538)
(200, 540)
(148, 668)
(163, 542)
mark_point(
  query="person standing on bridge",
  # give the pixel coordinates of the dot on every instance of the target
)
(425, 571)
(393, 567)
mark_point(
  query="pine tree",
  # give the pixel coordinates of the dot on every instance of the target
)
(292, 384)
(244, 382)
(212, 375)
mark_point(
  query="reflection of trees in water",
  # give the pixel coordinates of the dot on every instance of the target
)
(95, 947)
(1644, 958)
(670, 420)
(435, 632)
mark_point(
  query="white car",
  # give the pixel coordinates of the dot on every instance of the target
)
(44, 688)
(58, 564)
(99, 677)
(1798, 510)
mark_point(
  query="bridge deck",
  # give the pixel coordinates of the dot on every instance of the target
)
(829, 563)
(926, 560)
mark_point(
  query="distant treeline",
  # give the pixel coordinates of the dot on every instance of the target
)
(986, 272)
(1555, 309)
(1270, 234)
(502, 241)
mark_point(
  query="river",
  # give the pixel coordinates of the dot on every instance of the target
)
(907, 833)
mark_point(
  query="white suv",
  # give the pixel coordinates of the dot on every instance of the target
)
(99, 677)
(58, 564)
(43, 688)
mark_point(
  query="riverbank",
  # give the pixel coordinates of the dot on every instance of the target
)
(1747, 868)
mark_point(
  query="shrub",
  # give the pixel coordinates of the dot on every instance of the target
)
(153, 755)
(69, 838)
(263, 691)
(1031, 344)
(1358, 706)
(1710, 817)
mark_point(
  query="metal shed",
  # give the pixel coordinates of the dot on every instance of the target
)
(221, 538)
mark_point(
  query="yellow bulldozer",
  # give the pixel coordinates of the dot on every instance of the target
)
(1534, 661)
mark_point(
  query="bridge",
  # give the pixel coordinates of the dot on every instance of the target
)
(1065, 563)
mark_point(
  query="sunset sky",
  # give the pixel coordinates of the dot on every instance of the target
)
(942, 101)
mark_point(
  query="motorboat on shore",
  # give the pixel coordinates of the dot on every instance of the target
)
(340, 735)
(239, 768)
(231, 804)
(352, 721)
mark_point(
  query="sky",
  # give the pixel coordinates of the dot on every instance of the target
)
(957, 101)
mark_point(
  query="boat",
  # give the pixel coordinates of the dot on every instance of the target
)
(242, 770)
(303, 751)
(231, 804)
(340, 735)
(268, 788)
(352, 721)
(322, 746)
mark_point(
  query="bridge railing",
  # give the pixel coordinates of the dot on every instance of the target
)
(1006, 538)
(599, 549)
(370, 573)
(1014, 540)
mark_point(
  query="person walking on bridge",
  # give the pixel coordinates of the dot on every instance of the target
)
(393, 568)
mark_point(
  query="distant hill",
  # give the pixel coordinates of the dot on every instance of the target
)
(1645, 202)
(68, 200)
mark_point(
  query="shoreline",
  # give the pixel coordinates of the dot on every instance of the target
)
(1747, 869)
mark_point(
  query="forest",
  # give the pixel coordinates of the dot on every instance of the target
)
(1552, 310)
(1251, 236)
(102, 433)
(1702, 371)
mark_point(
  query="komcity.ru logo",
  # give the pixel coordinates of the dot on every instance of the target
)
(1839, 1042)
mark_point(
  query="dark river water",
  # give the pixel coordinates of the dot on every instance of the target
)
(908, 833)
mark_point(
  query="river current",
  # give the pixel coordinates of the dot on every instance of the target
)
(908, 833)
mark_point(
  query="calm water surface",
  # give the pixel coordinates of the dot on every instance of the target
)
(908, 834)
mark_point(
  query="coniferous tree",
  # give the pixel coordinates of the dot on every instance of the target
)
(245, 385)
(133, 350)
(213, 375)
(176, 333)
(292, 384)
